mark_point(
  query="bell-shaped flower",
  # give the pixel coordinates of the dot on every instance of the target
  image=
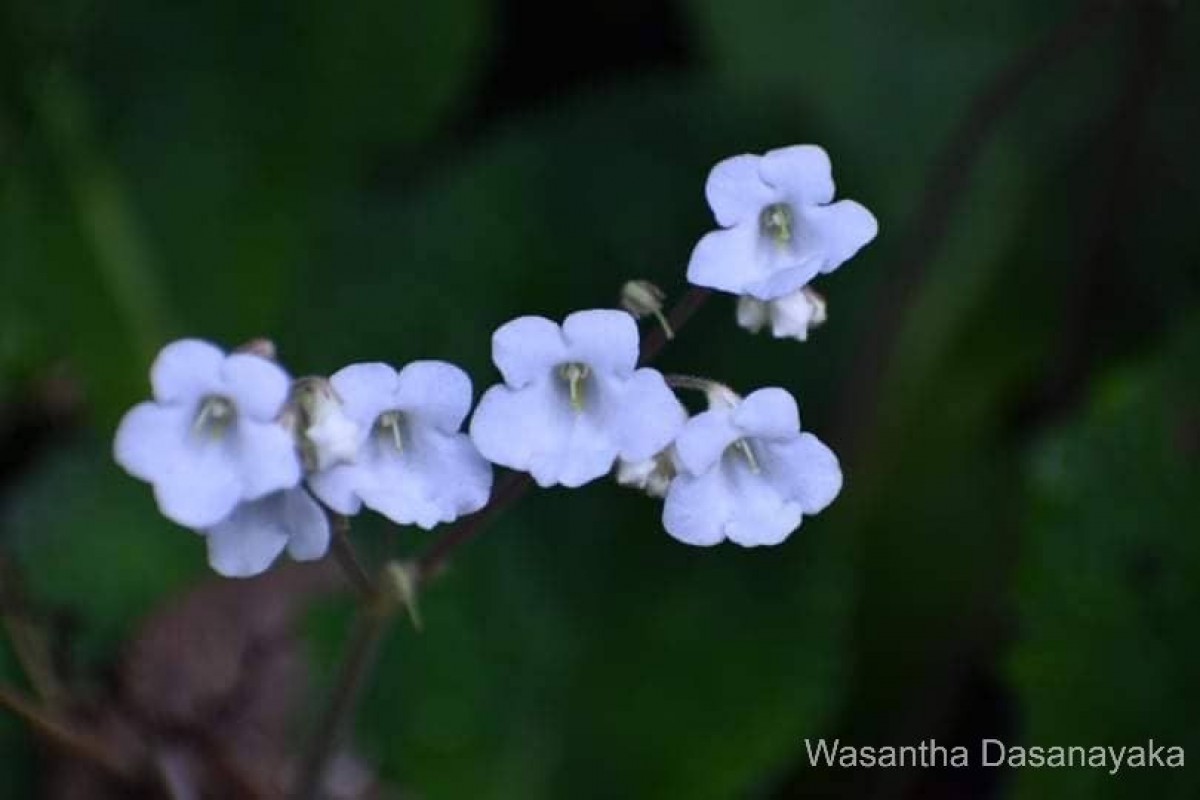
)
(747, 473)
(790, 317)
(249, 540)
(210, 439)
(779, 226)
(573, 399)
(412, 465)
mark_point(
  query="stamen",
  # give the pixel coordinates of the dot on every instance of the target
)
(744, 449)
(215, 416)
(575, 374)
(391, 421)
(776, 222)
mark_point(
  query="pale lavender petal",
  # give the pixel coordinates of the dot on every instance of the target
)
(587, 454)
(839, 230)
(804, 470)
(307, 526)
(335, 487)
(265, 454)
(736, 191)
(249, 540)
(258, 387)
(518, 428)
(604, 339)
(150, 439)
(526, 349)
(789, 275)
(201, 488)
(437, 478)
(643, 415)
(434, 392)
(703, 439)
(185, 371)
(770, 413)
(366, 391)
(696, 508)
(761, 515)
(729, 260)
(801, 172)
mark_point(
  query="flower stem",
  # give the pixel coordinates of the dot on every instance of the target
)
(380, 599)
(348, 560)
(81, 744)
(373, 621)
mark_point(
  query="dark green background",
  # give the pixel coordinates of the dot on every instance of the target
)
(1015, 553)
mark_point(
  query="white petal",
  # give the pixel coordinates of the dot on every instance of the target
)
(794, 315)
(761, 515)
(186, 370)
(729, 260)
(434, 392)
(703, 440)
(202, 487)
(307, 526)
(751, 313)
(265, 455)
(736, 191)
(249, 539)
(535, 430)
(604, 339)
(801, 172)
(770, 413)
(840, 230)
(787, 272)
(366, 391)
(804, 470)
(335, 438)
(643, 415)
(696, 508)
(335, 488)
(150, 438)
(438, 478)
(526, 349)
(257, 386)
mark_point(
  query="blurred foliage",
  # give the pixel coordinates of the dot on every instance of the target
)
(1109, 582)
(324, 176)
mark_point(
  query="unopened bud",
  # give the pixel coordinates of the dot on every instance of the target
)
(790, 317)
(643, 299)
(652, 475)
(261, 347)
(326, 435)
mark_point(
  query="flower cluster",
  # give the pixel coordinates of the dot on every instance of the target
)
(237, 451)
(257, 462)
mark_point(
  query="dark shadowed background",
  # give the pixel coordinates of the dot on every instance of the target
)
(1010, 372)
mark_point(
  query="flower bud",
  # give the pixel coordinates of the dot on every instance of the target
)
(642, 299)
(326, 435)
(652, 475)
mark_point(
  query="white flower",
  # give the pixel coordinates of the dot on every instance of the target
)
(572, 399)
(791, 316)
(779, 228)
(651, 475)
(412, 465)
(210, 438)
(247, 541)
(747, 473)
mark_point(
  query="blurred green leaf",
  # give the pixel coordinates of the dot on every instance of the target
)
(91, 543)
(1109, 581)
